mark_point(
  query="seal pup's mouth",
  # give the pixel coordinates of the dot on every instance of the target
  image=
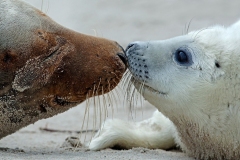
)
(141, 86)
(154, 90)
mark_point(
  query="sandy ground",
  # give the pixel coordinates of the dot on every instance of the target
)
(123, 21)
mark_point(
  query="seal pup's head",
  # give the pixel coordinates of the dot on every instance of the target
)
(45, 68)
(194, 80)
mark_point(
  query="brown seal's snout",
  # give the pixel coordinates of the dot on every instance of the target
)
(93, 67)
(67, 67)
(45, 68)
(123, 57)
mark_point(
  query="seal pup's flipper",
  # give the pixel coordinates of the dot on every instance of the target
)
(156, 132)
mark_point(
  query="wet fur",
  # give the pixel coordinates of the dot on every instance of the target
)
(45, 69)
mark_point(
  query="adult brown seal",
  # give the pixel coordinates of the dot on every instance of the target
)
(45, 69)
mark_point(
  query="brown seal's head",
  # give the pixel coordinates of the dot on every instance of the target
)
(45, 68)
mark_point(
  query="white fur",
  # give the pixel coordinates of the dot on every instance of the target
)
(202, 100)
(156, 132)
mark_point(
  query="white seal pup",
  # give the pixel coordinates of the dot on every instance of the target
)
(194, 80)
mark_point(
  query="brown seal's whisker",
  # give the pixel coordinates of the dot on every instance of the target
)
(109, 90)
(105, 106)
(109, 98)
(41, 5)
(67, 131)
(99, 101)
(116, 76)
(84, 117)
(94, 110)
(87, 109)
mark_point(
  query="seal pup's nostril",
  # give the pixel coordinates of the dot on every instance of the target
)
(131, 45)
(122, 57)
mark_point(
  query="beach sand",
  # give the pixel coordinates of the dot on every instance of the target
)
(123, 21)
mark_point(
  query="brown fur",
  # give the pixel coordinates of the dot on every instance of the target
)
(45, 69)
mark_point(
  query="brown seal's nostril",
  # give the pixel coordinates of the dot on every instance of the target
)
(123, 58)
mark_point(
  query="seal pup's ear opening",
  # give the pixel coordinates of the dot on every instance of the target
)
(38, 70)
(218, 72)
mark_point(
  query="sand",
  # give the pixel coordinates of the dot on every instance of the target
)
(123, 21)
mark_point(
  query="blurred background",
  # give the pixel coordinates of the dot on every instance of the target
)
(123, 21)
(131, 20)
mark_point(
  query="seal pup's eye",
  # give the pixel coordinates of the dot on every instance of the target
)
(183, 57)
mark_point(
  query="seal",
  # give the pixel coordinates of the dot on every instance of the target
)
(45, 68)
(194, 82)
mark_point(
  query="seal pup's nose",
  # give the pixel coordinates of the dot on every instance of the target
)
(131, 47)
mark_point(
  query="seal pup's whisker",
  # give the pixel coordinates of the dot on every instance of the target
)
(126, 84)
(141, 93)
(194, 36)
(187, 27)
(189, 23)
(132, 104)
(122, 82)
(125, 79)
(129, 88)
(131, 99)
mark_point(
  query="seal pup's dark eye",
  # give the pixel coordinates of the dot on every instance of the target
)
(183, 57)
